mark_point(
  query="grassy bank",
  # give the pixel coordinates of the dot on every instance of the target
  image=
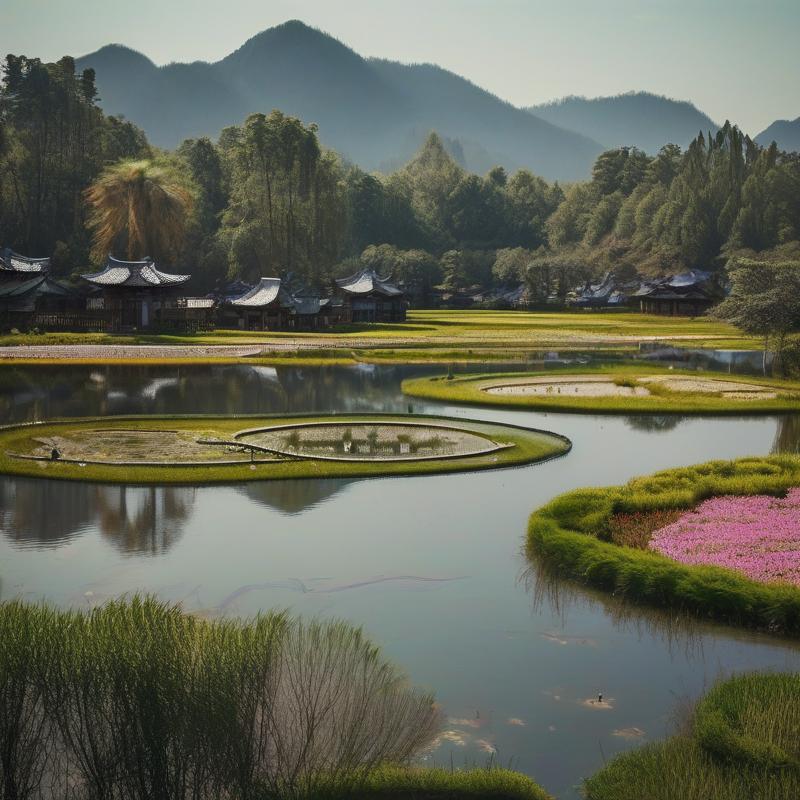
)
(460, 328)
(741, 744)
(573, 537)
(471, 390)
(399, 783)
(528, 446)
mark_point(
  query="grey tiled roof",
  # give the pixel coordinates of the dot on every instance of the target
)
(133, 273)
(366, 282)
(14, 262)
(264, 293)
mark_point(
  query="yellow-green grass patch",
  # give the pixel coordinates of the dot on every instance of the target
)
(614, 389)
(507, 445)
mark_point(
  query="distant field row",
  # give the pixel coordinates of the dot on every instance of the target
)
(490, 331)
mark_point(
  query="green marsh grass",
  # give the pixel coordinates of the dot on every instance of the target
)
(740, 744)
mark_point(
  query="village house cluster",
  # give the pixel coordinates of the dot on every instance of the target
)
(137, 295)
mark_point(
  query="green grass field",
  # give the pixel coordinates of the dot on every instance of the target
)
(572, 537)
(471, 390)
(461, 329)
(528, 446)
(742, 743)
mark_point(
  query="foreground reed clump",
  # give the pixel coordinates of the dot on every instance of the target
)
(599, 537)
(742, 743)
(139, 700)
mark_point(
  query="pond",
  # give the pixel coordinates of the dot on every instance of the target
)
(430, 566)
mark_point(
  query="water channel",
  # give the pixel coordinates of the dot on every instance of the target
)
(430, 566)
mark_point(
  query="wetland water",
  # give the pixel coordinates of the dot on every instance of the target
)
(431, 566)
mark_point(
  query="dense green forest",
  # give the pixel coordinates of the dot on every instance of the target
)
(268, 199)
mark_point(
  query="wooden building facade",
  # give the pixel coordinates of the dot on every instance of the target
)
(366, 297)
(136, 295)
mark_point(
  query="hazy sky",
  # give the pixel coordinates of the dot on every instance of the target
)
(734, 59)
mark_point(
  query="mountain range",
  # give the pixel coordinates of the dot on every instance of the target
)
(783, 131)
(378, 112)
(645, 120)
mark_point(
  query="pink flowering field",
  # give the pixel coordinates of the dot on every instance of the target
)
(757, 535)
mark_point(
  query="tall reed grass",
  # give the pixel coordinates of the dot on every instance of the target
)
(138, 700)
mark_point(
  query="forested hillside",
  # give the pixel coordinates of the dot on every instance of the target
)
(268, 198)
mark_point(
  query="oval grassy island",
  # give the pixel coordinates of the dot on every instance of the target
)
(614, 389)
(204, 449)
(719, 540)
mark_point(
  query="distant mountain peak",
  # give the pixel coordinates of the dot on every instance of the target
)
(120, 53)
(371, 111)
(784, 132)
(637, 118)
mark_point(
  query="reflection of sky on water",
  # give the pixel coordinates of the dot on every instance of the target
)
(431, 566)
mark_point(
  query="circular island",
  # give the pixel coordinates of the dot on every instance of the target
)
(718, 540)
(202, 449)
(640, 388)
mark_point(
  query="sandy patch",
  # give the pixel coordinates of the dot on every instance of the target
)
(735, 390)
(143, 446)
(364, 441)
(606, 704)
(628, 733)
(569, 388)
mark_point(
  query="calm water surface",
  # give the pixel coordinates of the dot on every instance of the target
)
(430, 566)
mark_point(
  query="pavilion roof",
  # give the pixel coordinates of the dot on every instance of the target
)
(264, 293)
(14, 262)
(133, 273)
(368, 282)
(24, 285)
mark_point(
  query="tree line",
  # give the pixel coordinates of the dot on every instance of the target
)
(267, 198)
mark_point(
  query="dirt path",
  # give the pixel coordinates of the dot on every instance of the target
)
(276, 346)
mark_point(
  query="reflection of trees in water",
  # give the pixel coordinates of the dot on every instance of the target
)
(551, 593)
(144, 520)
(787, 436)
(362, 387)
(292, 497)
(654, 423)
(44, 513)
(41, 392)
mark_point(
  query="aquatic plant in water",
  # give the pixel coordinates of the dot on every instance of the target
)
(758, 535)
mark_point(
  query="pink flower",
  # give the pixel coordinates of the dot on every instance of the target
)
(758, 536)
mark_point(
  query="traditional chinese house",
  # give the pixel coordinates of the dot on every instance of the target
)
(689, 294)
(366, 297)
(606, 294)
(136, 295)
(264, 307)
(29, 297)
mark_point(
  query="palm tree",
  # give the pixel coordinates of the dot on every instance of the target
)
(139, 206)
